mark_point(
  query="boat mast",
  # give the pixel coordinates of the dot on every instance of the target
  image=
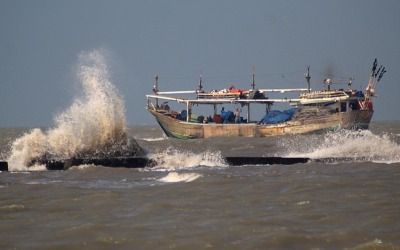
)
(253, 85)
(200, 84)
(327, 82)
(351, 79)
(253, 82)
(155, 88)
(308, 78)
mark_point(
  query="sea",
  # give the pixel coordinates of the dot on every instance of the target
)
(191, 198)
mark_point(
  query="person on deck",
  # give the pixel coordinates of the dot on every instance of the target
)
(237, 116)
(223, 115)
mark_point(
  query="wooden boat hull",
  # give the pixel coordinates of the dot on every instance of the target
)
(355, 119)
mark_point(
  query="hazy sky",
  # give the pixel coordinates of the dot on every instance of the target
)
(40, 42)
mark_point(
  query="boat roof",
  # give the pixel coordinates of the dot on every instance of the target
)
(234, 98)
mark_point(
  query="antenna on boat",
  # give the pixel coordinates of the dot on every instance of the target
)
(308, 78)
(376, 75)
(374, 65)
(381, 74)
(253, 81)
(372, 84)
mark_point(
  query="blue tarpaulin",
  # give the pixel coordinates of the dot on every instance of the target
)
(183, 114)
(227, 115)
(276, 116)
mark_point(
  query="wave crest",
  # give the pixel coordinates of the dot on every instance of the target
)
(350, 144)
(172, 159)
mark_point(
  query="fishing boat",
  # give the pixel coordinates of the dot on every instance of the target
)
(311, 112)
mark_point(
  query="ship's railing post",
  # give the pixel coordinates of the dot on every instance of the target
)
(248, 113)
(188, 111)
(268, 108)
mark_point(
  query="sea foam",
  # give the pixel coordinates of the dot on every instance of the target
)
(180, 177)
(174, 159)
(350, 144)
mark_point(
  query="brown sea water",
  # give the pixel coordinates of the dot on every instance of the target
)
(192, 199)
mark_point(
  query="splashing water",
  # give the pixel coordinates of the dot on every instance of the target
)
(180, 177)
(350, 144)
(94, 125)
(173, 159)
(30, 146)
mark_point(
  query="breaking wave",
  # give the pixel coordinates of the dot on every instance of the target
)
(173, 159)
(362, 145)
(94, 124)
(180, 177)
(154, 139)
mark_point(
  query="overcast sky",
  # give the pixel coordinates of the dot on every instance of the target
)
(40, 42)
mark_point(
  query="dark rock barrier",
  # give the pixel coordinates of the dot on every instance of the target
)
(3, 166)
(119, 162)
(238, 161)
(141, 162)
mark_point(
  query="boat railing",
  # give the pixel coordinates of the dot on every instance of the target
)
(176, 92)
(222, 100)
(282, 90)
(217, 95)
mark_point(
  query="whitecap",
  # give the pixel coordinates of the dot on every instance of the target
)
(154, 139)
(303, 203)
(347, 144)
(180, 177)
(173, 159)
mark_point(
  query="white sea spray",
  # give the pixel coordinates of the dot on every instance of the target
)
(94, 124)
(350, 144)
(180, 177)
(174, 159)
